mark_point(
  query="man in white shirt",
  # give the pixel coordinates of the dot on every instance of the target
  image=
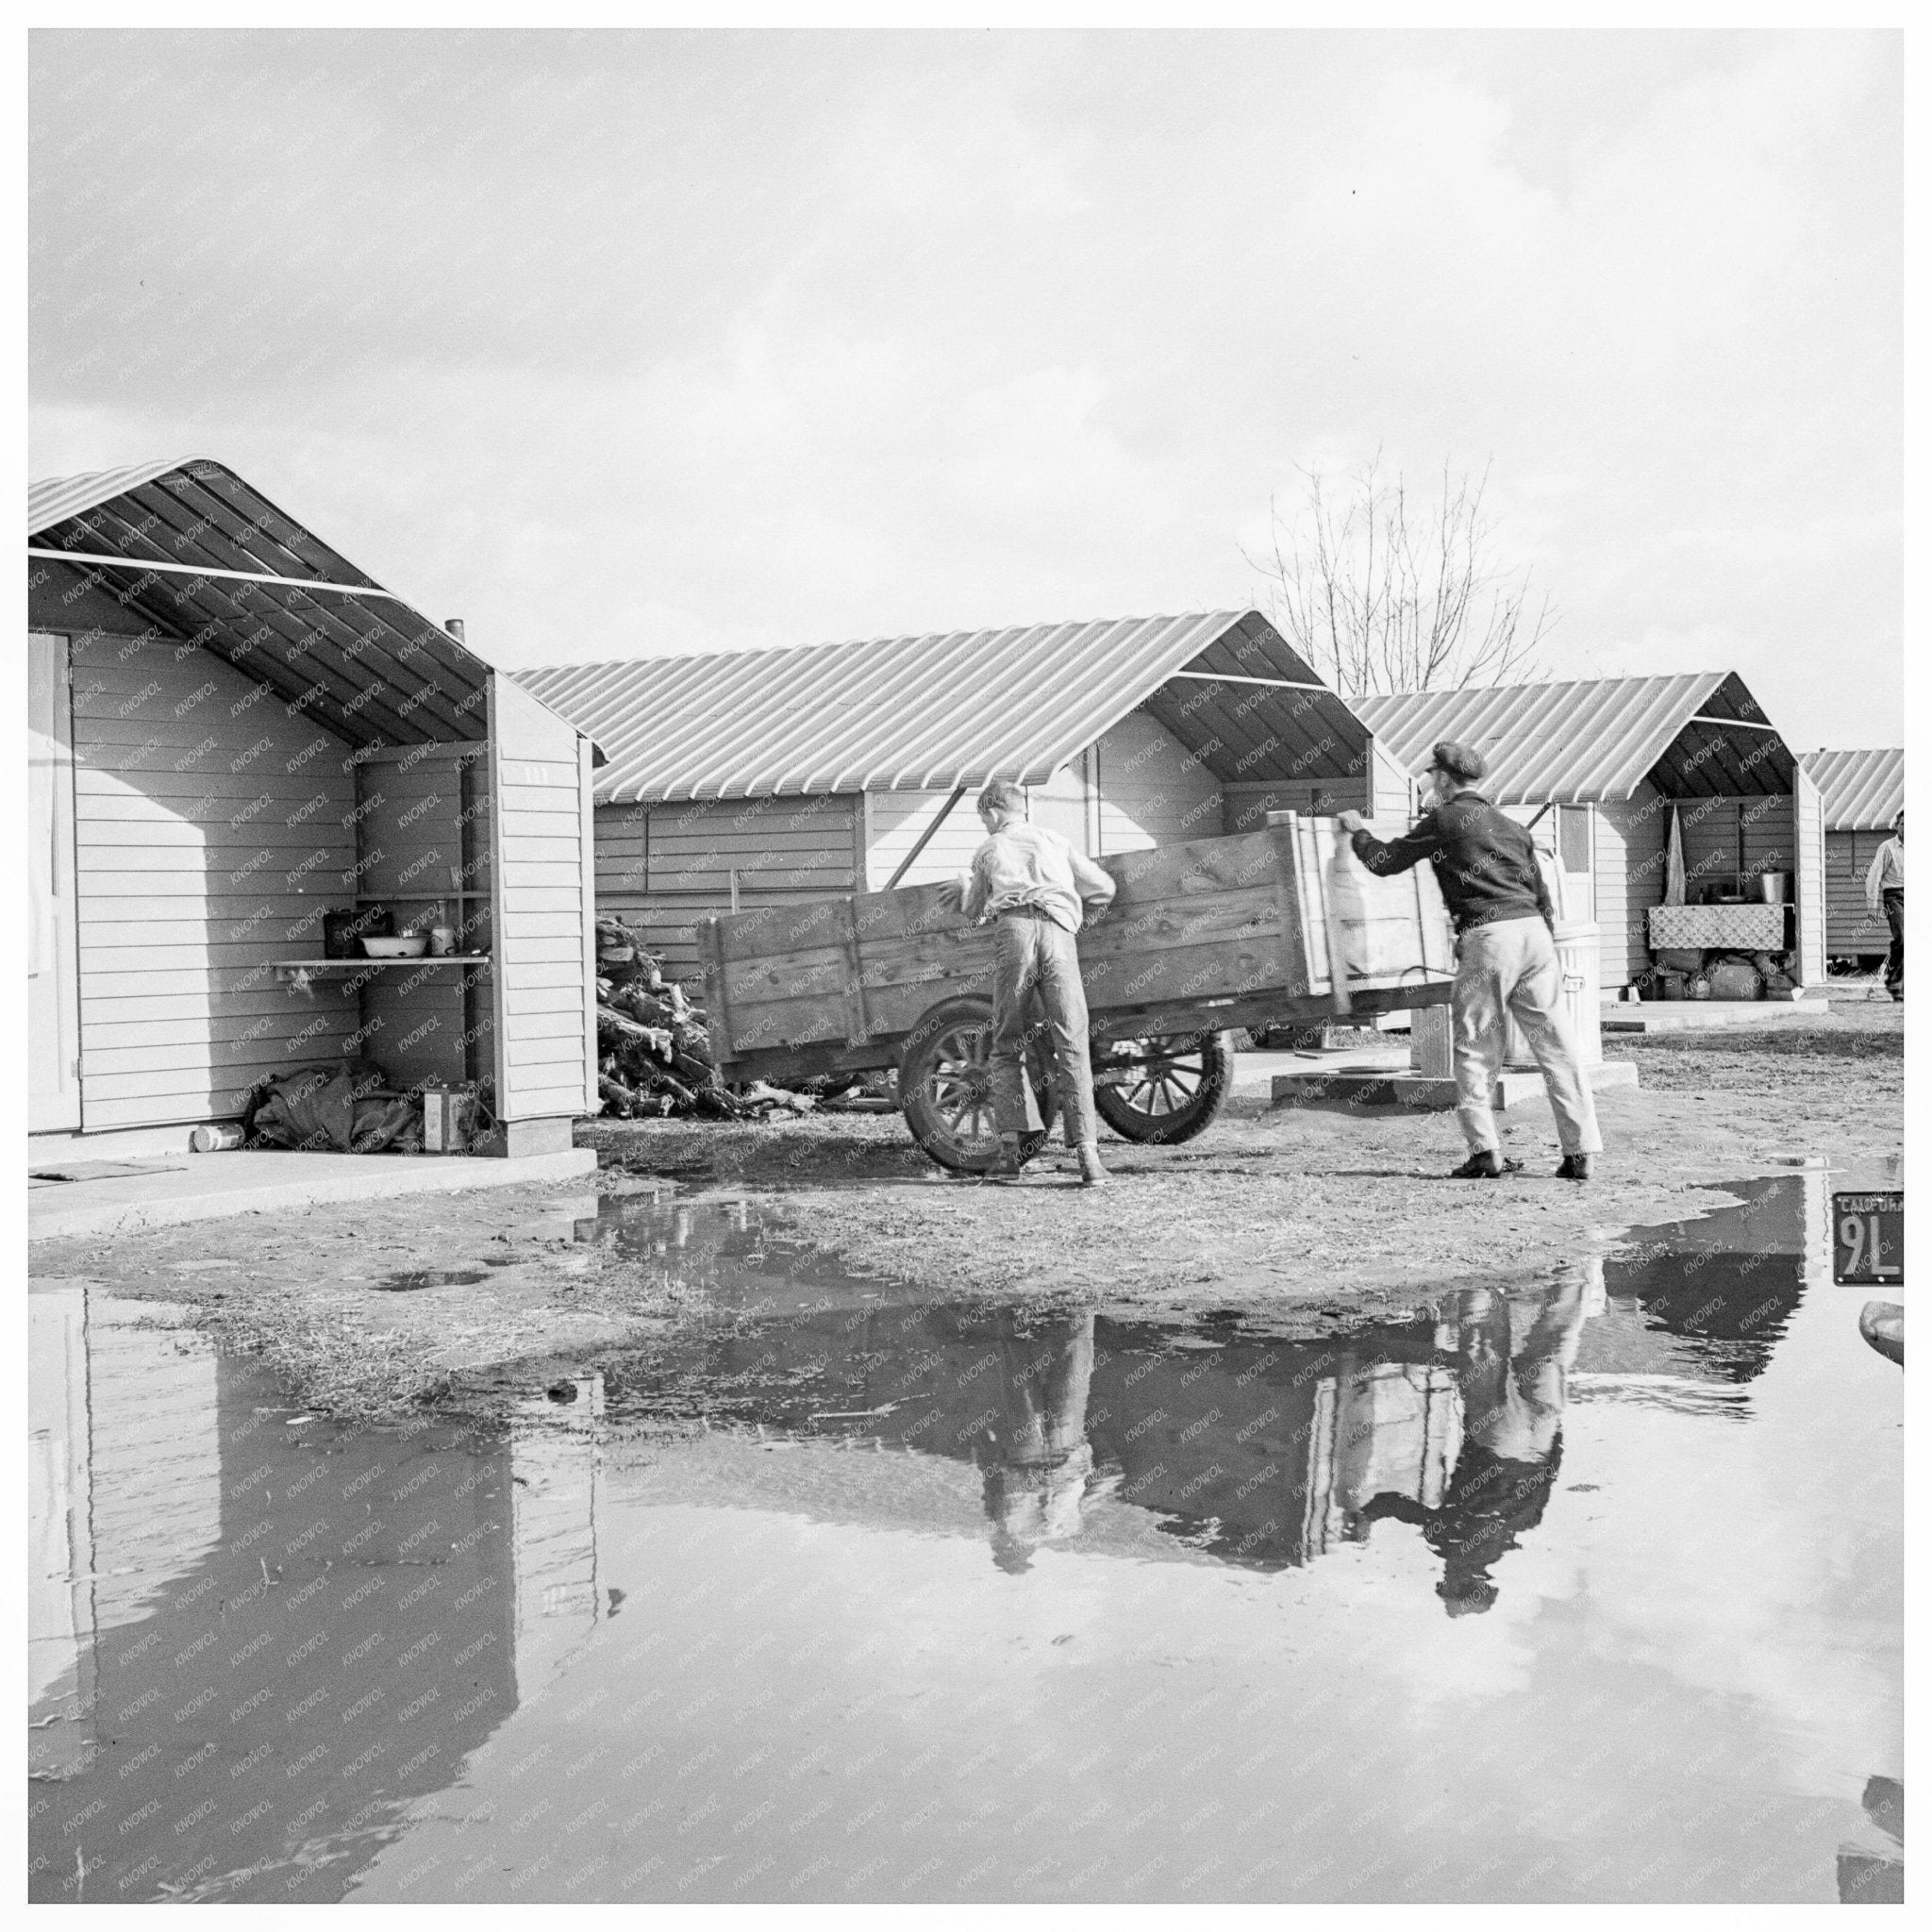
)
(1884, 886)
(1036, 887)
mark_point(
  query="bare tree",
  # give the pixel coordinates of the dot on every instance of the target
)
(1383, 590)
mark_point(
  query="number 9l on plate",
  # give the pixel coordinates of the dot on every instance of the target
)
(1868, 1240)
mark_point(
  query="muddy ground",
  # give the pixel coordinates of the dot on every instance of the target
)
(1320, 1209)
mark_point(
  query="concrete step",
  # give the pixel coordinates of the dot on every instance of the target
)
(207, 1187)
(1682, 1016)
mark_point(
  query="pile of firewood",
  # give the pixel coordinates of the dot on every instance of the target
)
(654, 1051)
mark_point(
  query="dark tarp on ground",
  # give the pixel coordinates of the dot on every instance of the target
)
(348, 1106)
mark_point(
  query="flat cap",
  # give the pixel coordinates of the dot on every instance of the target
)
(1460, 761)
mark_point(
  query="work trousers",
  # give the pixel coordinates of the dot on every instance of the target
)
(1505, 968)
(1895, 917)
(1033, 955)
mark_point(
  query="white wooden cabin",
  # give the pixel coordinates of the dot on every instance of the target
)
(233, 730)
(1595, 769)
(743, 779)
(1861, 791)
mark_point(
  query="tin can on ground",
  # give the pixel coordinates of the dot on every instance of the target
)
(449, 1120)
(216, 1138)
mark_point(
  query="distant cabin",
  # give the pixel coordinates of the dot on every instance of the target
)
(739, 778)
(1863, 793)
(1596, 768)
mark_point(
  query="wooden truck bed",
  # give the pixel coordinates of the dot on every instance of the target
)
(1260, 927)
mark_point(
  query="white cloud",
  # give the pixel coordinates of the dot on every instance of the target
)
(777, 340)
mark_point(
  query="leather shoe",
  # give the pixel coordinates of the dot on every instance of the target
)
(1487, 1166)
(1574, 1167)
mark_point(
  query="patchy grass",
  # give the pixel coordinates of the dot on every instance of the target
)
(809, 1150)
(1867, 1034)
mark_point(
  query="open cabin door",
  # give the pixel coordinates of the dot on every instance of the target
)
(53, 983)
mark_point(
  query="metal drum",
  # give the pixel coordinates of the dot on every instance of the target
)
(1580, 976)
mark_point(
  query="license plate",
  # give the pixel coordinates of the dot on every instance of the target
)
(1868, 1240)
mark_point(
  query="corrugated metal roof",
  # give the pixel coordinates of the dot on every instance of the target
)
(56, 498)
(927, 713)
(1863, 790)
(1697, 733)
(367, 666)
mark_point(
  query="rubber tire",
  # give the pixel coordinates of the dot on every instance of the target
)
(917, 1062)
(1168, 1129)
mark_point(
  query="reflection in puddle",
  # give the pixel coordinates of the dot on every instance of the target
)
(1590, 1591)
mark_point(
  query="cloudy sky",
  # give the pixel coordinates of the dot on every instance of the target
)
(622, 344)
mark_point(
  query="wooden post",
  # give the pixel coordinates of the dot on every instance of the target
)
(1289, 905)
(857, 1028)
(1430, 1036)
(1339, 998)
(717, 1010)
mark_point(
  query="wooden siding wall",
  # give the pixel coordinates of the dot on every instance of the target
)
(1065, 804)
(1153, 791)
(1728, 838)
(662, 867)
(53, 1008)
(1628, 847)
(1136, 786)
(1245, 807)
(895, 821)
(1852, 929)
(212, 828)
(1382, 790)
(413, 813)
(1395, 795)
(544, 916)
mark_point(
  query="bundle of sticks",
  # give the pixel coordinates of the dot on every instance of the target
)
(654, 1051)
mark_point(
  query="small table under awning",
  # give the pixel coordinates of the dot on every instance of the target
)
(1754, 928)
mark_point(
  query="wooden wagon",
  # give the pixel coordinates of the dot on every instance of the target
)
(1260, 928)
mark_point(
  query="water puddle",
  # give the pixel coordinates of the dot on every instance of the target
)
(1592, 1590)
(739, 1251)
(415, 1280)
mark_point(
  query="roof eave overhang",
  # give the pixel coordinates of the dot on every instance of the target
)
(1246, 638)
(198, 579)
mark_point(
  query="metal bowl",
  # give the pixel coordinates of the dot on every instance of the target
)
(411, 945)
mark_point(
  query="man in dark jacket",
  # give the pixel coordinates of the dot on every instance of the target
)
(1505, 957)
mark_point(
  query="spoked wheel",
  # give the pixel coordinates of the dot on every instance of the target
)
(1164, 1088)
(945, 1086)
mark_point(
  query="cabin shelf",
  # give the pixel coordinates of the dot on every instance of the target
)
(339, 969)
